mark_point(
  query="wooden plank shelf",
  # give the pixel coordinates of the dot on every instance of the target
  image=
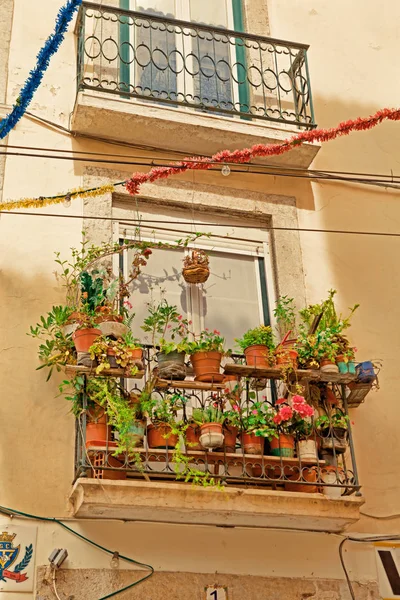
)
(276, 373)
(91, 371)
(190, 385)
(212, 457)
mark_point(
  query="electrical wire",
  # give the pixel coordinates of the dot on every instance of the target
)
(248, 169)
(381, 517)
(54, 584)
(138, 222)
(12, 512)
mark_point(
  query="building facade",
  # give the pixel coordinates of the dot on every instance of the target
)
(147, 82)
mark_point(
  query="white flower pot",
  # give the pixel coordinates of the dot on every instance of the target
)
(307, 450)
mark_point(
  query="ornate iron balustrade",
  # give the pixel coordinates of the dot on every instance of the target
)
(185, 64)
(326, 465)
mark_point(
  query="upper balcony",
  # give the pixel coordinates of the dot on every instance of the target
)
(188, 87)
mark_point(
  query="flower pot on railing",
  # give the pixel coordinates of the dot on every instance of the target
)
(342, 364)
(206, 365)
(335, 439)
(327, 366)
(84, 338)
(97, 428)
(303, 475)
(136, 432)
(160, 436)
(252, 443)
(307, 450)
(283, 445)
(230, 435)
(286, 357)
(172, 365)
(334, 476)
(257, 355)
(211, 435)
(192, 437)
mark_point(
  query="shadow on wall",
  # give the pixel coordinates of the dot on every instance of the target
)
(37, 440)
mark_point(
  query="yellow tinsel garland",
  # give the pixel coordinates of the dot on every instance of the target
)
(47, 201)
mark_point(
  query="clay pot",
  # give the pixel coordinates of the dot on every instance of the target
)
(257, 356)
(211, 435)
(84, 338)
(283, 445)
(309, 475)
(286, 357)
(252, 443)
(192, 437)
(230, 435)
(160, 436)
(206, 364)
(97, 428)
(327, 366)
(307, 450)
(105, 315)
(136, 353)
(111, 354)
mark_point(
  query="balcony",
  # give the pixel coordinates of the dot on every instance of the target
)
(310, 484)
(188, 87)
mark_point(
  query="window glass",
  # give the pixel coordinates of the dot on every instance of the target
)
(210, 12)
(162, 7)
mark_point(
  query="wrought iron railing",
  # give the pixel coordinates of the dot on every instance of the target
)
(326, 463)
(186, 64)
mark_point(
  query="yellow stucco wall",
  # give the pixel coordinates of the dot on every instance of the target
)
(353, 65)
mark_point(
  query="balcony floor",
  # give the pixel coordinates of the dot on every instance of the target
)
(179, 129)
(231, 507)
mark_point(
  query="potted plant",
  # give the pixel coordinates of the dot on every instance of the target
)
(333, 429)
(289, 419)
(285, 315)
(196, 267)
(111, 354)
(206, 351)
(133, 346)
(210, 420)
(317, 350)
(163, 414)
(57, 347)
(258, 345)
(164, 322)
(257, 424)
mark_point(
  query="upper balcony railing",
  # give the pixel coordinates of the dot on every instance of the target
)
(184, 64)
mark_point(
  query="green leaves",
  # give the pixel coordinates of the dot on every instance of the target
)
(261, 335)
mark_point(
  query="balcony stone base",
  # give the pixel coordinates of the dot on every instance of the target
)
(181, 129)
(231, 507)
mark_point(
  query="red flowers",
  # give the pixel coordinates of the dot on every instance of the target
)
(285, 414)
(146, 252)
(299, 408)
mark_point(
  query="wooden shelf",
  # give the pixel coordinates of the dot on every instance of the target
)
(190, 385)
(276, 373)
(80, 370)
(213, 457)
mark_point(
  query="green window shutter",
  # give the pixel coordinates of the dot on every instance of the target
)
(124, 70)
(244, 96)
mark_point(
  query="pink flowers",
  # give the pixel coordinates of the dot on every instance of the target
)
(216, 332)
(180, 317)
(254, 412)
(236, 408)
(284, 414)
(128, 304)
(301, 407)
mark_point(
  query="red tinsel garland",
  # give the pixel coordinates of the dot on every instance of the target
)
(244, 156)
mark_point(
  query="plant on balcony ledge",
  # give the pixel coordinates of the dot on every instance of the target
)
(258, 346)
(206, 352)
(109, 354)
(257, 424)
(165, 321)
(210, 420)
(333, 428)
(290, 419)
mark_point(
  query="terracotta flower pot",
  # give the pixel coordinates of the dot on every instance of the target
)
(136, 353)
(84, 338)
(257, 356)
(283, 445)
(230, 435)
(97, 428)
(111, 354)
(309, 475)
(160, 436)
(286, 357)
(105, 315)
(252, 443)
(192, 437)
(206, 364)
(211, 435)
(327, 366)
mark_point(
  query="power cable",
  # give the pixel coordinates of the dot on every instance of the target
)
(247, 169)
(381, 517)
(12, 512)
(264, 227)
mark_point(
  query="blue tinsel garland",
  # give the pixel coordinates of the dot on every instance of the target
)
(50, 47)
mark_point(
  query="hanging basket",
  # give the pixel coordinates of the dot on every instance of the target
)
(196, 267)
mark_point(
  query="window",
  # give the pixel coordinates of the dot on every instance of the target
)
(173, 63)
(234, 298)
